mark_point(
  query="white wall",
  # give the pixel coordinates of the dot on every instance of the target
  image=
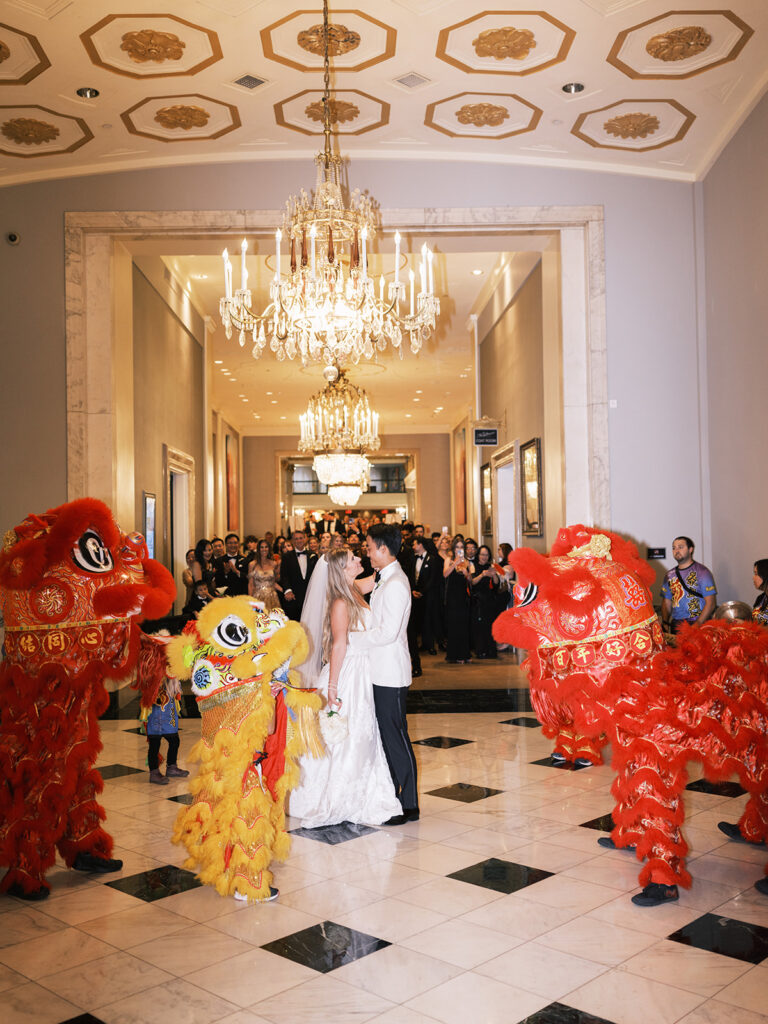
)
(650, 288)
(735, 220)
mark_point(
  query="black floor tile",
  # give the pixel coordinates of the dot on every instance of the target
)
(465, 792)
(526, 723)
(500, 875)
(559, 1013)
(439, 702)
(157, 883)
(716, 788)
(444, 742)
(604, 823)
(182, 798)
(326, 946)
(564, 766)
(83, 1018)
(116, 771)
(724, 935)
(333, 834)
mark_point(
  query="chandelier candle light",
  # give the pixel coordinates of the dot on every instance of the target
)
(325, 309)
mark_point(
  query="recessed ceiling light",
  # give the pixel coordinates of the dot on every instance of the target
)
(274, 401)
(463, 376)
(256, 416)
(268, 392)
(241, 396)
(573, 87)
(218, 361)
(408, 415)
(282, 417)
(417, 399)
(477, 272)
(233, 380)
(200, 277)
(419, 391)
(87, 93)
(246, 399)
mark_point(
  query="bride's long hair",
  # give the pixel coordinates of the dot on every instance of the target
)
(339, 587)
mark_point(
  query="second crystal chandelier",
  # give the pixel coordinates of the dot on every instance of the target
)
(323, 311)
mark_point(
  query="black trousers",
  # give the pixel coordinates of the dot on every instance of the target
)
(153, 755)
(390, 704)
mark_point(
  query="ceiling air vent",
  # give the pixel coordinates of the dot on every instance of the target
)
(412, 80)
(250, 81)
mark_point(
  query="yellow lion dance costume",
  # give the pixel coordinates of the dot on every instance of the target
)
(257, 721)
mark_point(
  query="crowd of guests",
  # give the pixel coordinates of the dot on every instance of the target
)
(458, 587)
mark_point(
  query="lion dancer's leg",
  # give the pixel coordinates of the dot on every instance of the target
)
(84, 845)
(29, 826)
(753, 824)
(648, 815)
(557, 722)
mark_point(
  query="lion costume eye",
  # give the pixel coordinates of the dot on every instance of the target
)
(231, 632)
(204, 678)
(92, 554)
(527, 596)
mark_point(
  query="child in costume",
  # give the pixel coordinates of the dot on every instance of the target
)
(159, 707)
(256, 722)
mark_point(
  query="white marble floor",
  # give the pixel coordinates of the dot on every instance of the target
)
(566, 948)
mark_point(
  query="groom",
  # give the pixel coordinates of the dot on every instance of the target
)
(387, 642)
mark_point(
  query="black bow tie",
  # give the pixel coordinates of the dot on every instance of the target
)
(301, 552)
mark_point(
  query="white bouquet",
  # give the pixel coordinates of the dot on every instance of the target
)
(333, 726)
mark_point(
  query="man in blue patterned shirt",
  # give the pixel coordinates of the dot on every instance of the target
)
(688, 593)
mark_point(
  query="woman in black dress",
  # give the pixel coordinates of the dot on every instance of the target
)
(457, 604)
(485, 604)
(202, 565)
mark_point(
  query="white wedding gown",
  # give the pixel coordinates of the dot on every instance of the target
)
(352, 782)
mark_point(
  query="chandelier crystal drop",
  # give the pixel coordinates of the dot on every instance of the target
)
(345, 495)
(328, 309)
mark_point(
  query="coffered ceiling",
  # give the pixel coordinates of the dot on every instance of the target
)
(218, 80)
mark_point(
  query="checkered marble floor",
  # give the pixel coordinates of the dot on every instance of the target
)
(497, 906)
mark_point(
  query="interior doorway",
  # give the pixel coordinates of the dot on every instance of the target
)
(505, 490)
(179, 541)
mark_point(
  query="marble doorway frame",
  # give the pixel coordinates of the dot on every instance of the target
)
(91, 266)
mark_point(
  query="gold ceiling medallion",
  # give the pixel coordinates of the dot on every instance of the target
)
(482, 115)
(632, 126)
(5, 52)
(503, 43)
(340, 40)
(679, 43)
(28, 131)
(149, 45)
(182, 116)
(339, 111)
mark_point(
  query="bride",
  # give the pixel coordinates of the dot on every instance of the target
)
(352, 782)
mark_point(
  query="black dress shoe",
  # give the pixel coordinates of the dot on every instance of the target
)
(655, 894)
(35, 895)
(762, 886)
(412, 814)
(734, 833)
(100, 865)
(608, 844)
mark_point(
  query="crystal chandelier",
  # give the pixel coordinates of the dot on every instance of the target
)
(327, 309)
(339, 426)
(344, 495)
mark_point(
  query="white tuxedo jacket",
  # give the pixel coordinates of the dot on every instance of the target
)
(386, 640)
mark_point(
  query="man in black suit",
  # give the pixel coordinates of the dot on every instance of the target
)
(427, 578)
(232, 568)
(295, 570)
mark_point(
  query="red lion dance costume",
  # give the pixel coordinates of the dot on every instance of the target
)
(72, 589)
(598, 670)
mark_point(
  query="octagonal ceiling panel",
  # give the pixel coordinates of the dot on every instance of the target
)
(356, 40)
(178, 118)
(34, 131)
(505, 43)
(637, 125)
(482, 115)
(151, 45)
(352, 112)
(679, 44)
(22, 58)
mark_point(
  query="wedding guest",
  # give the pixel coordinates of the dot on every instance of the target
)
(187, 578)
(202, 564)
(232, 569)
(485, 604)
(456, 572)
(262, 578)
(760, 579)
